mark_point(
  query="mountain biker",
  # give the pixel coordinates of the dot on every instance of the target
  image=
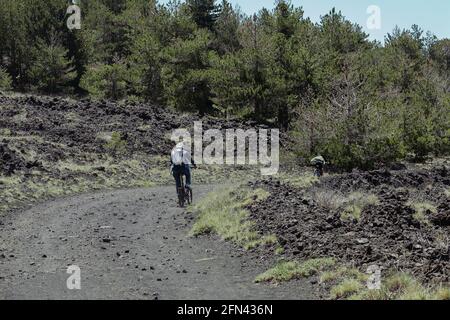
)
(180, 160)
(318, 162)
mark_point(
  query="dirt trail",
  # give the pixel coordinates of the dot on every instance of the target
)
(129, 244)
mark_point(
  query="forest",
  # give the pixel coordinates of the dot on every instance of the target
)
(360, 103)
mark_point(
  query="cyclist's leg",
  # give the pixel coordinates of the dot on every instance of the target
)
(187, 173)
(177, 176)
(317, 170)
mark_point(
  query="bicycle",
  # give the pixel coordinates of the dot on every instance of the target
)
(184, 193)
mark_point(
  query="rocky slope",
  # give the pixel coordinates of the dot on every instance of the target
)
(399, 220)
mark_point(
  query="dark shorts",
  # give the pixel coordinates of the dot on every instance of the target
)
(184, 170)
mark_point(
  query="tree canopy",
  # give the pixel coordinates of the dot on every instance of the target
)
(358, 102)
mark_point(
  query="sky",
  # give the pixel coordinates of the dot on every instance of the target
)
(430, 15)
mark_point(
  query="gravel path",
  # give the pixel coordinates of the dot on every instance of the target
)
(128, 244)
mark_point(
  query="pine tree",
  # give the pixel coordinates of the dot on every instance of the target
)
(185, 73)
(241, 81)
(226, 29)
(204, 12)
(440, 54)
(15, 44)
(52, 69)
(145, 64)
(109, 81)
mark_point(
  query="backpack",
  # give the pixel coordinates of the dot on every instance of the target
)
(318, 160)
(177, 157)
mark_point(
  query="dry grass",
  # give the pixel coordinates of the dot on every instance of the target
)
(355, 203)
(287, 270)
(76, 177)
(346, 283)
(329, 199)
(350, 205)
(447, 192)
(402, 286)
(422, 210)
(345, 289)
(304, 180)
(340, 273)
(223, 212)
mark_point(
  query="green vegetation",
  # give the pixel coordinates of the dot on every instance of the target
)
(223, 212)
(106, 81)
(303, 181)
(287, 270)
(402, 286)
(345, 289)
(356, 101)
(355, 203)
(51, 69)
(74, 178)
(116, 143)
(442, 293)
(447, 192)
(329, 199)
(5, 80)
(399, 286)
(421, 210)
(351, 205)
(342, 272)
(349, 283)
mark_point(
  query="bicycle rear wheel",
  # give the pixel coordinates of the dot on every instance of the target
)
(181, 197)
(188, 194)
(181, 193)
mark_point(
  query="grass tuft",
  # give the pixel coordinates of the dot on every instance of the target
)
(356, 202)
(342, 272)
(442, 293)
(345, 289)
(287, 270)
(447, 192)
(421, 210)
(402, 286)
(223, 212)
(301, 181)
(329, 199)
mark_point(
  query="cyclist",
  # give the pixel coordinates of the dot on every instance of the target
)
(318, 162)
(180, 160)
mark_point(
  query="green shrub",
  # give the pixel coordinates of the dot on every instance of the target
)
(5, 80)
(106, 81)
(367, 155)
(116, 144)
(51, 69)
